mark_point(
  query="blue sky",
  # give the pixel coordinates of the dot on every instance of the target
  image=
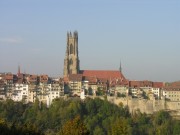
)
(143, 34)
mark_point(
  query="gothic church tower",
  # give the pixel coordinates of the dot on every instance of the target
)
(71, 61)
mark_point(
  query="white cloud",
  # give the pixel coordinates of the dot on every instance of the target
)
(11, 40)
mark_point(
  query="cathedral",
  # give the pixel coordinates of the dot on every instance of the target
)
(72, 63)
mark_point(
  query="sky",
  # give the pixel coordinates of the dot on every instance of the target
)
(144, 35)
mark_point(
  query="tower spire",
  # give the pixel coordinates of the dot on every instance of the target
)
(19, 70)
(120, 67)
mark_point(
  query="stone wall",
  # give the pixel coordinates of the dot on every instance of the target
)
(147, 106)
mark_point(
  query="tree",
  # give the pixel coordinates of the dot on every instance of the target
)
(141, 123)
(4, 130)
(98, 131)
(90, 91)
(121, 95)
(163, 123)
(176, 128)
(99, 91)
(161, 117)
(14, 129)
(119, 127)
(74, 127)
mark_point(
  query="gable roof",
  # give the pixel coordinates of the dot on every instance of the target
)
(106, 74)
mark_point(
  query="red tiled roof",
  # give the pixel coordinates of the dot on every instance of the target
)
(106, 74)
(135, 84)
(32, 78)
(66, 79)
(75, 77)
(158, 84)
(90, 79)
(43, 78)
(9, 76)
(173, 85)
(145, 84)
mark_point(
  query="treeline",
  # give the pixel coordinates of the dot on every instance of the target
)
(74, 117)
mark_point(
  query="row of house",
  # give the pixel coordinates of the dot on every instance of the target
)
(172, 91)
(28, 88)
(121, 88)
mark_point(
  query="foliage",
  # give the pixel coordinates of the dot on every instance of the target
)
(74, 127)
(90, 91)
(100, 91)
(120, 127)
(120, 95)
(176, 127)
(144, 95)
(162, 123)
(13, 129)
(91, 116)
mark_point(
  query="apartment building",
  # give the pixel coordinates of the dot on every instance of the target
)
(20, 92)
(172, 95)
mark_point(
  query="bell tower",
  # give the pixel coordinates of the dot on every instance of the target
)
(71, 61)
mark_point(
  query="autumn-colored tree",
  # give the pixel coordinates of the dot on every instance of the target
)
(74, 127)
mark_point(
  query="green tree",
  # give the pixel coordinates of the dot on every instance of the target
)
(120, 95)
(176, 128)
(120, 127)
(141, 124)
(99, 91)
(90, 91)
(98, 131)
(163, 123)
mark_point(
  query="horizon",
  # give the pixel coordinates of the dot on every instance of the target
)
(141, 35)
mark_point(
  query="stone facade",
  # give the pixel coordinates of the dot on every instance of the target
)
(172, 95)
(148, 106)
(71, 61)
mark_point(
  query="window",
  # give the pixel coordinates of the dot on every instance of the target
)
(71, 49)
(71, 62)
